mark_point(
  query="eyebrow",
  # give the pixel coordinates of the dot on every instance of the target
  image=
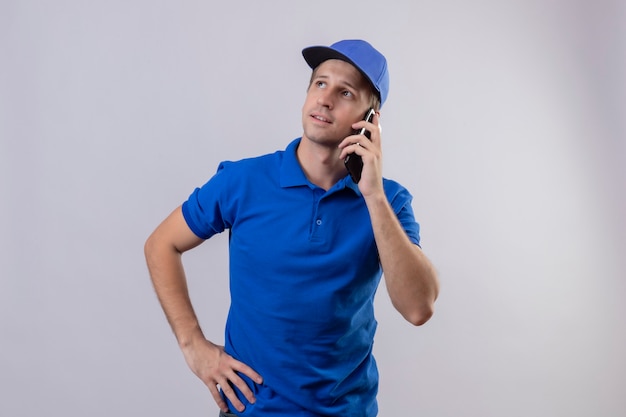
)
(342, 82)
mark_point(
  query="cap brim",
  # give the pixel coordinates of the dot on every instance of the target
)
(315, 55)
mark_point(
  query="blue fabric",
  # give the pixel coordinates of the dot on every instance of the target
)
(304, 270)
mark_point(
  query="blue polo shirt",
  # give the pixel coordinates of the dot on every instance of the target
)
(304, 270)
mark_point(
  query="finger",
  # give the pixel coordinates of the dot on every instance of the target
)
(376, 119)
(363, 124)
(375, 128)
(353, 148)
(247, 371)
(217, 397)
(353, 140)
(243, 387)
(230, 393)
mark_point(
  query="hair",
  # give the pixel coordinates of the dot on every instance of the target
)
(374, 95)
(375, 100)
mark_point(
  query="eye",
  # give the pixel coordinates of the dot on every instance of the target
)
(320, 84)
(347, 93)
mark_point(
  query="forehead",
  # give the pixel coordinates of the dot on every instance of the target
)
(342, 72)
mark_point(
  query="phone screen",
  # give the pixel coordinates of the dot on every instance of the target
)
(354, 162)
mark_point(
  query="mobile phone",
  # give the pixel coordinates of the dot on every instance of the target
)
(354, 162)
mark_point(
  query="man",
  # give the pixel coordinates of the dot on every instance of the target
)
(308, 246)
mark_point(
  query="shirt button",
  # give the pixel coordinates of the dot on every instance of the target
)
(319, 222)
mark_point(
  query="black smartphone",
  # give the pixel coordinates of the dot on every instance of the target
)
(354, 162)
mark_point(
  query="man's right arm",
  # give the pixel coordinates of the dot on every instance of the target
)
(163, 250)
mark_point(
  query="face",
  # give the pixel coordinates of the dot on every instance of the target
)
(337, 97)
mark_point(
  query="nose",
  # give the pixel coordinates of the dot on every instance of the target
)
(324, 99)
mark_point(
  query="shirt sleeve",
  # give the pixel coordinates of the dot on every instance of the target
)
(400, 200)
(206, 209)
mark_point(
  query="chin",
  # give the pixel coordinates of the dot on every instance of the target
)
(324, 137)
(318, 139)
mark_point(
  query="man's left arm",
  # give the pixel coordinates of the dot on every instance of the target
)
(410, 277)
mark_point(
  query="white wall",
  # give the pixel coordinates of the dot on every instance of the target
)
(505, 119)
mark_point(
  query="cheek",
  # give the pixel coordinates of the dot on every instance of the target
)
(307, 106)
(310, 97)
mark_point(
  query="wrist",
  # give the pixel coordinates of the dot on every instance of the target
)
(190, 337)
(377, 197)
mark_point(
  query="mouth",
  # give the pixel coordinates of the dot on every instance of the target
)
(320, 118)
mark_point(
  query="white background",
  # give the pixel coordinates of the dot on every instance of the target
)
(505, 120)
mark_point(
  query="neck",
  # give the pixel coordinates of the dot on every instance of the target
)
(320, 163)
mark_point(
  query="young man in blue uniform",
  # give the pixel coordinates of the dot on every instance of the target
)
(308, 247)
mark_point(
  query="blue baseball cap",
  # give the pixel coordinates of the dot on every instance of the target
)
(361, 54)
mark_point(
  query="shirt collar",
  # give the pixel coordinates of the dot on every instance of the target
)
(291, 174)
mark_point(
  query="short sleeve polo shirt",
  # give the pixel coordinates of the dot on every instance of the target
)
(304, 270)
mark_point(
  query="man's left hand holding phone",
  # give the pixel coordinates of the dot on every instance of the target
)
(356, 145)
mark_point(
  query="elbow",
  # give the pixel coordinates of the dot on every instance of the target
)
(417, 310)
(148, 247)
(420, 316)
(152, 249)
